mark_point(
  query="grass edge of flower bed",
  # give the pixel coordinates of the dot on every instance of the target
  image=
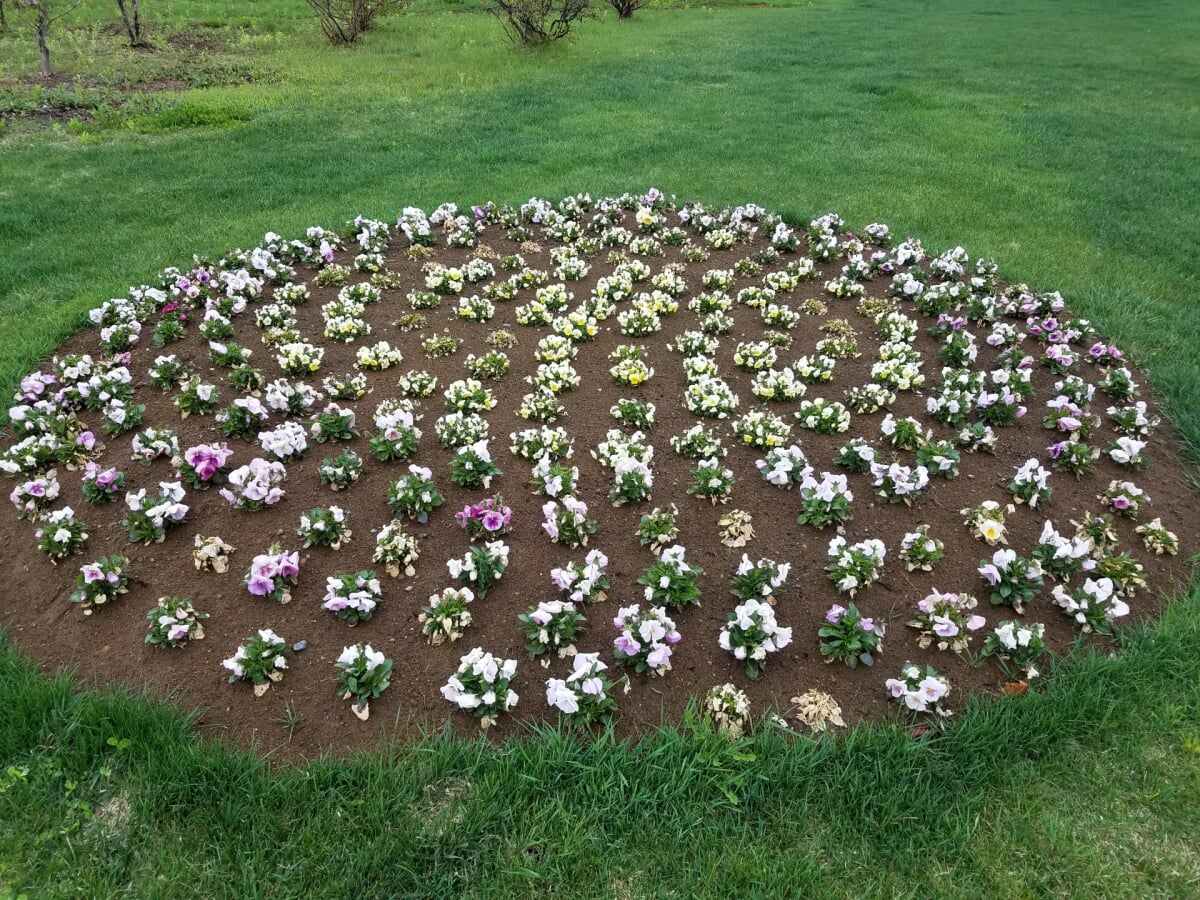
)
(178, 784)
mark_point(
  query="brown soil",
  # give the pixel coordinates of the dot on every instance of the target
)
(192, 49)
(108, 647)
(195, 37)
(56, 114)
(192, 36)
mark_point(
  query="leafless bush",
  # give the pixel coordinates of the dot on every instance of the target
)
(530, 23)
(344, 20)
(626, 8)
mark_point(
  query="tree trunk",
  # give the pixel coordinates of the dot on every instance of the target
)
(43, 26)
(131, 16)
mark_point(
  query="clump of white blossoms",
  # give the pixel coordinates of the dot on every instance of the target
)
(920, 691)
(752, 633)
(480, 686)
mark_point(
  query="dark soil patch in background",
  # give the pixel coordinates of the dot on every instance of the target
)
(108, 647)
(170, 62)
(195, 37)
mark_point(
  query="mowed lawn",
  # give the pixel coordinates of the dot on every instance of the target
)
(1062, 139)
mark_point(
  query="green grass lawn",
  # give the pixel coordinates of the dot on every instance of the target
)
(1063, 139)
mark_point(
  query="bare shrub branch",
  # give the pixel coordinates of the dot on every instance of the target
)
(344, 20)
(530, 23)
(626, 8)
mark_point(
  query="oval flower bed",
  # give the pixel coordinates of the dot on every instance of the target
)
(585, 460)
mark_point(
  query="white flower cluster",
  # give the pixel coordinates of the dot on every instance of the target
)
(270, 650)
(584, 681)
(1016, 637)
(255, 485)
(457, 429)
(62, 533)
(327, 528)
(646, 637)
(784, 466)
(300, 358)
(1093, 606)
(476, 308)
(777, 385)
(288, 440)
(344, 320)
(396, 549)
(165, 507)
(755, 355)
(481, 685)
(444, 280)
(583, 583)
(752, 632)
(377, 357)
(468, 395)
(827, 497)
(395, 419)
(371, 658)
(710, 397)
(1062, 557)
(1127, 451)
(761, 429)
(854, 566)
(289, 397)
(415, 225)
(698, 366)
(920, 691)
(467, 569)
(359, 594)
(154, 443)
(555, 377)
(899, 483)
(1031, 483)
(824, 416)
(568, 522)
(447, 616)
